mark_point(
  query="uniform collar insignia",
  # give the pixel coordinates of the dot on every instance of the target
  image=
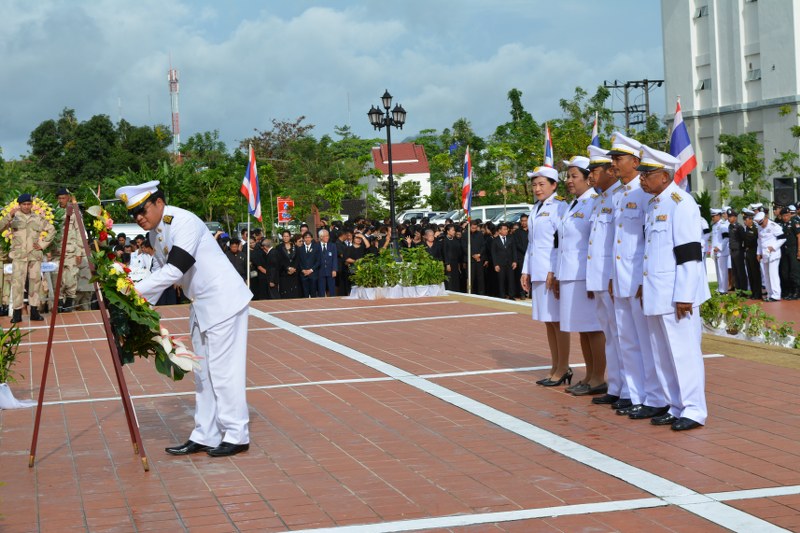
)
(168, 219)
(676, 197)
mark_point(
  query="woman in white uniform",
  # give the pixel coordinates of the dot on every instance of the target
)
(577, 312)
(539, 267)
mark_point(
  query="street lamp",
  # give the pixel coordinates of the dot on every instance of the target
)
(380, 119)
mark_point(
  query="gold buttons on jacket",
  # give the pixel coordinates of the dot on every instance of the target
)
(644, 273)
(618, 257)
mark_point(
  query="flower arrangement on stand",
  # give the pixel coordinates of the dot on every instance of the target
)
(134, 323)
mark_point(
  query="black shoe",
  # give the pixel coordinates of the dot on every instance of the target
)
(226, 448)
(588, 391)
(663, 420)
(61, 306)
(628, 410)
(68, 305)
(4, 310)
(187, 448)
(17, 316)
(683, 423)
(552, 383)
(648, 412)
(606, 399)
(771, 300)
(540, 381)
(35, 314)
(622, 403)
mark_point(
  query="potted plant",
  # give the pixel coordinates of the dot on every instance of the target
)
(9, 344)
(756, 323)
(382, 276)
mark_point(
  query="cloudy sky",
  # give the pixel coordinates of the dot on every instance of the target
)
(243, 62)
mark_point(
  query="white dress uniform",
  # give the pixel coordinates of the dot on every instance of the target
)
(706, 242)
(187, 254)
(673, 274)
(719, 240)
(771, 236)
(576, 311)
(541, 257)
(599, 267)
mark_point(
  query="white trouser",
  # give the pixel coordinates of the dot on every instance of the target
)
(617, 385)
(722, 272)
(772, 280)
(676, 346)
(636, 355)
(221, 413)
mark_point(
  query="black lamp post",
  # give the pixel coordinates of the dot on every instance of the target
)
(379, 119)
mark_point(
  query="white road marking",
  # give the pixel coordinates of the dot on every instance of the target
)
(660, 487)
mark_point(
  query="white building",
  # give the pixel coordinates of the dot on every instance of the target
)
(409, 163)
(734, 64)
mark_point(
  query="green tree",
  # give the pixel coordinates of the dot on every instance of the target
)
(787, 163)
(654, 133)
(744, 155)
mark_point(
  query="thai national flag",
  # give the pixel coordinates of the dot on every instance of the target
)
(466, 188)
(548, 147)
(250, 186)
(681, 147)
(595, 135)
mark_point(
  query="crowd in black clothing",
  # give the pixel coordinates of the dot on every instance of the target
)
(318, 263)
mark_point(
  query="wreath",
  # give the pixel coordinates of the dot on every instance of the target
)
(134, 323)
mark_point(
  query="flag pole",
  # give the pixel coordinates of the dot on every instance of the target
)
(247, 269)
(469, 226)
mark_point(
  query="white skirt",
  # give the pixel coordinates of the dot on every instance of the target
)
(578, 312)
(545, 305)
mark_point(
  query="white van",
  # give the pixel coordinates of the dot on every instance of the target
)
(488, 212)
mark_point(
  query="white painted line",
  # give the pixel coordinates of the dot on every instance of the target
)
(769, 492)
(419, 319)
(523, 303)
(361, 307)
(490, 518)
(660, 487)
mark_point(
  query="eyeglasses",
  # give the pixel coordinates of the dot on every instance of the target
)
(139, 210)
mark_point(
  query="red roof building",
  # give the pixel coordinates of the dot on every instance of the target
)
(409, 162)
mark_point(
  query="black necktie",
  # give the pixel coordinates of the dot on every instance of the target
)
(574, 203)
(323, 247)
(538, 207)
(308, 249)
(503, 240)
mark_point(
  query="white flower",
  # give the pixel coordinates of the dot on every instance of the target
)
(185, 359)
(164, 341)
(95, 211)
(119, 268)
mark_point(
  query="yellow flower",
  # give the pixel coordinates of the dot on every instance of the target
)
(98, 225)
(43, 235)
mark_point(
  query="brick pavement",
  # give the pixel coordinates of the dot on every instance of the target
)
(339, 440)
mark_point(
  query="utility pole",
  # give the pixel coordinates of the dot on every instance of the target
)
(645, 85)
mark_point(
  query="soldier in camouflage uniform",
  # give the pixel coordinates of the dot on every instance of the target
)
(73, 255)
(31, 235)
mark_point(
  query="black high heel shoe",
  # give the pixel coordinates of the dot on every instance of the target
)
(566, 377)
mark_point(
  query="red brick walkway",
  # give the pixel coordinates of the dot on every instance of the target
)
(396, 416)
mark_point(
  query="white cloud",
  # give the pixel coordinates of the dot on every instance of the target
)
(441, 60)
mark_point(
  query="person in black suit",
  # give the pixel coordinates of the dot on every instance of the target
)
(261, 282)
(432, 245)
(736, 244)
(521, 243)
(504, 257)
(451, 248)
(478, 256)
(309, 259)
(288, 266)
(329, 264)
(750, 243)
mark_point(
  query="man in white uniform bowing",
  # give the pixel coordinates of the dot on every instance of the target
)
(187, 255)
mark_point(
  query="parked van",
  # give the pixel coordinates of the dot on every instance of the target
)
(488, 212)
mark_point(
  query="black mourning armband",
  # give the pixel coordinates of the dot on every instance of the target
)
(781, 236)
(725, 235)
(555, 240)
(691, 251)
(180, 259)
(707, 230)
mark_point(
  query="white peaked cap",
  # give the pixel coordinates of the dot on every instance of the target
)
(578, 161)
(135, 195)
(597, 156)
(547, 172)
(652, 159)
(622, 145)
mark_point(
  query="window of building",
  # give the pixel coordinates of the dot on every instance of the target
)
(754, 74)
(703, 85)
(701, 12)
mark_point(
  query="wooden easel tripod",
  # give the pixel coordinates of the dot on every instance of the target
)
(130, 415)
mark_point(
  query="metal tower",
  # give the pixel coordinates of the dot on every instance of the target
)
(176, 119)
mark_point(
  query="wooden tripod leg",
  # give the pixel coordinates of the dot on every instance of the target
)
(130, 414)
(49, 350)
